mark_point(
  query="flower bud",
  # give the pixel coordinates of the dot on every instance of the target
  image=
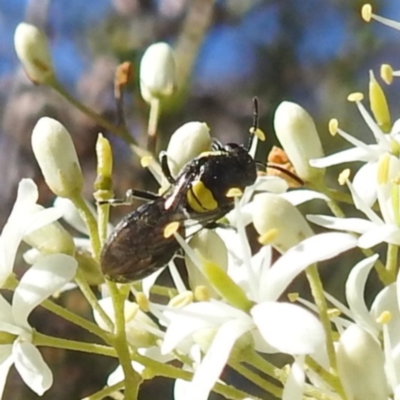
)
(56, 155)
(379, 104)
(210, 246)
(157, 72)
(33, 51)
(298, 135)
(361, 365)
(51, 239)
(186, 143)
(272, 213)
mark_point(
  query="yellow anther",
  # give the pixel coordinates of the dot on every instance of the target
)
(202, 293)
(354, 97)
(258, 132)
(387, 73)
(171, 228)
(293, 297)
(182, 299)
(383, 169)
(142, 301)
(333, 126)
(366, 12)
(268, 237)
(145, 161)
(344, 176)
(234, 192)
(333, 313)
(384, 318)
(395, 148)
(379, 105)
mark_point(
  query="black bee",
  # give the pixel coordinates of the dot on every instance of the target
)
(199, 195)
(137, 247)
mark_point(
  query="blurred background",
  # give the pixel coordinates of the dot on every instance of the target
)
(313, 52)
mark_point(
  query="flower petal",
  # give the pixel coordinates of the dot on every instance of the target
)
(6, 361)
(49, 274)
(294, 386)
(316, 248)
(355, 288)
(214, 361)
(363, 182)
(379, 234)
(32, 368)
(352, 154)
(301, 196)
(357, 225)
(289, 328)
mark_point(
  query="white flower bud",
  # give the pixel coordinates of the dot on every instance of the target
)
(209, 245)
(186, 143)
(361, 365)
(51, 239)
(33, 51)
(157, 72)
(56, 155)
(298, 135)
(280, 220)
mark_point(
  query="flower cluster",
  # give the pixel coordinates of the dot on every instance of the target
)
(235, 308)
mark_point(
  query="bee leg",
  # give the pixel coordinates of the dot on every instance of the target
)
(216, 145)
(165, 168)
(130, 195)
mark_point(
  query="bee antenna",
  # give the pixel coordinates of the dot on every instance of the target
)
(254, 127)
(286, 172)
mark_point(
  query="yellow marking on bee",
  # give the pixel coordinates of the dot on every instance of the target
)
(211, 153)
(201, 199)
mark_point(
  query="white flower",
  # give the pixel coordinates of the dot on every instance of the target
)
(361, 365)
(44, 278)
(57, 158)
(298, 135)
(273, 326)
(364, 180)
(33, 51)
(24, 219)
(157, 72)
(186, 143)
(375, 229)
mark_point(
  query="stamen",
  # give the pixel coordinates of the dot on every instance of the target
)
(182, 299)
(234, 192)
(171, 228)
(333, 126)
(293, 297)
(145, 161)
(268, 237)
(344, 177)
(354, 97)
(384, 318)
(142, 301)
(383, 169)
(379, 105)
(202, 293)
(366, 12)
(367, 15)
(387, 73)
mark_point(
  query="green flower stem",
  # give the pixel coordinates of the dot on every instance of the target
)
(154, 117)
(39, 339)
(330, 379)
(102, 221)
(120, 131)
(169, 371)
(92, 299)
(391, 261)
(317, 292)
(132, 378)
(90, 222)
(255, 360)
(256, 379)
(107, 391)
(76, 319)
